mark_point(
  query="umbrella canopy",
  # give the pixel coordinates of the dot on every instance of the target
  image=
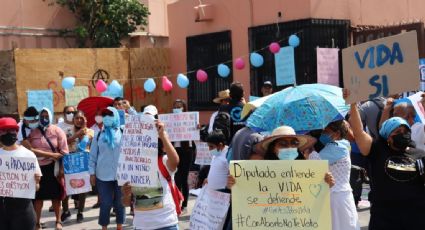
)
(91, 105)
(304, 108)
(252, 105)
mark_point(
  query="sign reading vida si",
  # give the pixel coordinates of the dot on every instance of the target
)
(381, 67)
(280, 195)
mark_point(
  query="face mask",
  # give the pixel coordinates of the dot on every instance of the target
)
(325, 138)
(44, 122)
(108, 121)
(401, 141)
(33, 125)
(215, 152)
(98, 119)
(8, 139)
(288, 153)
(69, 117)
(178, 110)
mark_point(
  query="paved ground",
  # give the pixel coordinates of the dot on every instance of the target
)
(91, 216)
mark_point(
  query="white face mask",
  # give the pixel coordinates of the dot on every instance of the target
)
(69, 117)
(98, 119)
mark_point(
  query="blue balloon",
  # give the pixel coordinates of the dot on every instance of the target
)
(223, 70)
(256, 59)
(149, 85)
(68, 82)
(115, 87)
(182, 81)
(294, 40)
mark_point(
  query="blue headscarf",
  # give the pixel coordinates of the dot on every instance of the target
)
(390, 125)
(109, 132)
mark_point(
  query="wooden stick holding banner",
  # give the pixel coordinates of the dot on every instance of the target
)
(17, 177)
(381, 67)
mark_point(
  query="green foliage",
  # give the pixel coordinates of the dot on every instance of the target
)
(104, 23)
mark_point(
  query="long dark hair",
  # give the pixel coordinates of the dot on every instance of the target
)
(270, 154)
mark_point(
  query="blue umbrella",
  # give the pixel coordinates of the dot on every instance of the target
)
(304, 108)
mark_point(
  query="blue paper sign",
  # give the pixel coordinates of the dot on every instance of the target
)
(76, 162)
(285, 66)
(40, 99)
(113, 92)
(122, 116)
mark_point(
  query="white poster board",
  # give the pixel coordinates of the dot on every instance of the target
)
(181, 126)
(17, 177)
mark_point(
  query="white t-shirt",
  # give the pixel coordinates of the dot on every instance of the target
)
(21, 151)
(67, 128)
(418, 135)
(160, 212)
(217, 177)
(27, 131)
(96, 129)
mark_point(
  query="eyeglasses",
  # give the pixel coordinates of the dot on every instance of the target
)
(288, 143)
(70, 112)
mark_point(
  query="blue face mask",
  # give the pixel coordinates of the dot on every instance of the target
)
(108, 121)
(215, 152)
(44, 122)
(325, 138)
(288, 153)
(33, 125)
(178, 110)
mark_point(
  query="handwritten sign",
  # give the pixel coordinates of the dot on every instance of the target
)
(203, 155)
(17, 177)
(285, 66)
(75, 95)
(210, 210)
(40, 99)
(138, 161)
(181, 126)
(327, 66)
(381, 67)
(76, 170)
(280, 195)
(422, 73)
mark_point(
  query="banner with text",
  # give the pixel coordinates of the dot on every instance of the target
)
(17, 177)
(40, 99)
(285, 66)
(280, 195)
(75, 95)
(210, 210)
(328, 66)
(381, 67)
(76, 170)
(181, 126)
(138, 161)
(203, 155)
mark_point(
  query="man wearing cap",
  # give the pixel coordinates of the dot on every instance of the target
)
(267, 88)
(222, 99)
(151, 110)
(16, 213)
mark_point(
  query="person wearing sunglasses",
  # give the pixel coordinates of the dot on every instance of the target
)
(68, 123)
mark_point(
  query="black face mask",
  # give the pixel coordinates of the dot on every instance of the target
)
(8, 139)
(401, 141)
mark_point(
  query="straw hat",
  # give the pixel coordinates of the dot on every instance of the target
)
(225, 94)
(284, 131)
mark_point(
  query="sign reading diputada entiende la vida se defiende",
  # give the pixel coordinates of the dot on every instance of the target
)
(17, 177)
(280, 195)
(138, 161)
(381, 67)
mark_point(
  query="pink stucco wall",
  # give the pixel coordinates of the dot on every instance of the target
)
(239, 15)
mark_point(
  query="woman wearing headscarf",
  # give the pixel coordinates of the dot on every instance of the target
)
(103, 163)
(396, 173)
(48, 142)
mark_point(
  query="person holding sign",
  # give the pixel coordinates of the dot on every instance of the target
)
(103, 163)
(16, 213)
(396, 172)
(163, 215)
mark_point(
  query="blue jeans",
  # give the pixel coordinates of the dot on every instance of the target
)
(110, 195)
(174, 227)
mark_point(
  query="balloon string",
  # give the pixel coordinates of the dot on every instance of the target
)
(193, 71)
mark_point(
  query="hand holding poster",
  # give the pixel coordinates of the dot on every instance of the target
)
(203, 155)
(76, 170)
(210, 210)
(280, 195)
(181, 126)
(381, 67)
(138, 162)
(17, 177)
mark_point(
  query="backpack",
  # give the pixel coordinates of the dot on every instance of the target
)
(175, 192)
(223, 122)
(378, 117)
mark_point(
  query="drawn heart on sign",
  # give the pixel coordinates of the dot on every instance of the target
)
(315, 189)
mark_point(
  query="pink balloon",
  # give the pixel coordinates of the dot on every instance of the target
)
(239, 63)
(274, 47)
(167, 85)
(201, 75)
(101, 86)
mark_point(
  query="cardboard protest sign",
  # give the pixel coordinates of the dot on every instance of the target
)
(40, 99)
(285, 66)
(280, 194)
(138, 161)
(327, 66)
(75, 95)
(203, 155)
(181, 126)
(17, 177)
(210, 210)
(381, 67)
(76, 170)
